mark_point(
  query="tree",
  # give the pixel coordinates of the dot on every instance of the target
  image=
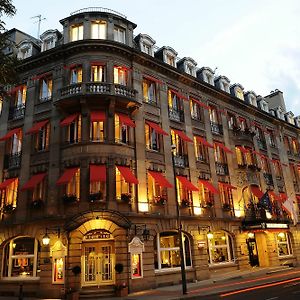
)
(8, 63)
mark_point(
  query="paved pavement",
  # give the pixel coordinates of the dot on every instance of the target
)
(217, 283)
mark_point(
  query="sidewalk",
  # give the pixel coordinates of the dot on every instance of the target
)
(218, 283)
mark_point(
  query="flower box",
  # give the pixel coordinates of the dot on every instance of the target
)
(160, 200)
(69, 199)
(95, 197)
(8, 209)
(185, 203)
(37, 204)
(126, 197)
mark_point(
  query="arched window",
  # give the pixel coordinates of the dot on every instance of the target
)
(167, 251)
(284, 245)
(21, 258)
(220, 249)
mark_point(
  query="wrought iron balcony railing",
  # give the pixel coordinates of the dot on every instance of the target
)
(16, 112)
(12, 160)
(216, 128)
(222, 169)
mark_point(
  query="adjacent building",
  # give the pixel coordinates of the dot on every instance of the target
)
(109, 143)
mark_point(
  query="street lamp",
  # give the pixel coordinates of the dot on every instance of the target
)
(46, 238)
(182, 266)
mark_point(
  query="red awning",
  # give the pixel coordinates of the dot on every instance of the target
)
(40, 76)
(180, 95)
(186, 183)
(275, 196)
(97, 63)
(6, 183)
(98, 116)
(37, 126)
(156, 127)
(97, 173)
(200, 103)
(10, 134)
(151, 78)
(203, 141)
(124, 119)
(227, 185)
(182, 135)
(34, 181)
(67, 176)
(68, 120)
(243, 150)
(222, 146)
(256, 191)
(209, 186)
(160, 179)
(283, 197)
(298, 199)
(128, 175)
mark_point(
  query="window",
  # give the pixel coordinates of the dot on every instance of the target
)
(121, 131)
(226, 196)
(220, 155)
(243, 124)
(180, 145)
(232, 122)
(239, 94)
(220, 248)
(167, 251)
(49, 43)
(195, 110)
(287, 144)
(200, 151)
(39, 191)
(295, 146)
(1, 104)
(277, 168)
(271, 138)
(76, 75)
(216, 127)
(184, 196)
(76, 32)
(97, 73)
(136, 265)
(170, 60)
(240, 156)
(156, 193)
(175, 107)
(190, 70)
(97, 191)
(42, 138)
(152, 138)
(16, 143)
(265, 166)
(147, 48)
(119, 34)
(9, 194)
(149, 91)
(73, 186)
(98, 30)
(206, 196)
(74, 131)
(124, 190)
(250, 158)
(97, 133)
(45, 89)
(21, 256)
(20, 98)
(283, 244)
(120, 75)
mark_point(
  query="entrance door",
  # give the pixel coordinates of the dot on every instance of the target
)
(253, 254)
(98, 261)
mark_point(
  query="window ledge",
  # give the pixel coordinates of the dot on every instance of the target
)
(172, 270)
(290, 256)
(19, 279)
(223, 265)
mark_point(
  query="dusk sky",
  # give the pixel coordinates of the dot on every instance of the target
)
(253, 42)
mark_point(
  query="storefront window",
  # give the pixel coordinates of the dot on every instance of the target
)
(21, 258)
(283, 244)
(220, 248)
(136, 268)
(58, 270)
(167, 250)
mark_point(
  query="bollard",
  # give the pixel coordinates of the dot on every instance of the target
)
(21, 291)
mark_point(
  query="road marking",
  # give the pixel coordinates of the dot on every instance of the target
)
(296, 292)
(259, 287)
(272, 298)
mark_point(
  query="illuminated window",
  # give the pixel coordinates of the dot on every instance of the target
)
(97, 133)
(220, 155)
(9, 195)
(1, 104)
(120, 75)
(271, 138)
(278, 169)
(99, 30)
(136, 265)
(184, 196)
(74, 131)
(20, 98)
(39, 191)
(213, 115)
(265, 165)
(170, 60)
(283, 244)
(76, 75)
(295, 146)
(206, 196)
(97, 191)
(239, 94)
(45, 89)
(180, 145)
(119, 34)
(250, 158)
(232, 122)
(200, 151)
(287, 144)
(58, 268)
(124, 190)
(156, 193)
(149, 91)
(97, 73)
(73, 186)
(152, 138)
(226, 196)
(175, 107)
(195, 110)
(121, 131)
(220, 248)
(16, 143)
(42, 138)
(167, 251)
(240, 156)
(76, 33)
(21, 257)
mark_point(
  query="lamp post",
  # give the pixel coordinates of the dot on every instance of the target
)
(182, 265)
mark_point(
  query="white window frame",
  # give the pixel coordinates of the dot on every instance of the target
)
(120, 34)
(99, 30)
(287, 242)
(76, 32)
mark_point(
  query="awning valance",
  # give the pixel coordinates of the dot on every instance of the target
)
(67, 176)
(207, 184)
(37, 126)
(128, 175)
(186, 183)
(98, 116)
(182, 135)
(160, 179)
(124, 119)
(156, 127)
(243, 149)
(256, 191)
(151, 78)
(10, 134)
(201, 104)
(275, 196)
(69, 119)
(34, 181)
(180, 95)
(223, 147)
(203, 141)
(97, 173)
(227, 185)
(6, 183)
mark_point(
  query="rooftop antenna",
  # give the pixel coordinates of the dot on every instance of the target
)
(40, 19)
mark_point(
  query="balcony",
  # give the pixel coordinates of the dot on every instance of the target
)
(180, 161)
(97, 88)
(268, 178)
(216, 128)
(16, 112)
(12, 160)
(221, 169)
(243, 135)
(176, 115)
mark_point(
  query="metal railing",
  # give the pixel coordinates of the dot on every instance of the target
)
(221, 169)
(97, 9)
(216, 128)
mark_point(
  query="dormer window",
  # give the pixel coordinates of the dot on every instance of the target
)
(225, 87)
(99, 29)
(147, 49)
(170, 60)
(146, 43)
(48, 43)
(208, 78)
(25, 50)
(190, 70)
(76, 32)
(49, 39)
(239, 94)
(280, 113)
(119, 34)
